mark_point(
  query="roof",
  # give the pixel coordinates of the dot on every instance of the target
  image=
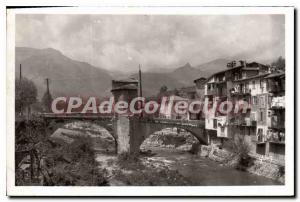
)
(238, 67)
(250, 69)
(223, 71)
(126, 87)
(201, 78)
(253, 77)
(278, 74)
(130, 80)
(256, 63)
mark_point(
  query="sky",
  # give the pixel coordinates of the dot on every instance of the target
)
(120, 43)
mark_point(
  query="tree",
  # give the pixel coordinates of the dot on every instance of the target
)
(176, 92)
(279, 64)
(25, 94)
(163, 89)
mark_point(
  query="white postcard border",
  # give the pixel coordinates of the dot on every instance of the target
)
(280, 190)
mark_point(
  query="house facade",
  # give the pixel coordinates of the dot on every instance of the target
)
(258, 94)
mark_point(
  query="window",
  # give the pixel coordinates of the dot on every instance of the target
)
(222, 129)
(261, 115)
(254, 100)
(261, 83)
(260, 135)
(253, 84)
(262, 101)
(215, 123)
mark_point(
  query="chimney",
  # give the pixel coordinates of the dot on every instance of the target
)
(243, 63)
(231, 64)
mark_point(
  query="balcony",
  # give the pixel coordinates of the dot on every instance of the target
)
(244, 91)
(276, 87)
(244, 122)
(212, 92)
(276, 122)
(271, 137)
(278, 102)
(276, 137)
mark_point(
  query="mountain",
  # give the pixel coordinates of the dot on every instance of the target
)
(72, 78)
(152, 82)
(67, 77)
(180, 77)
(213, 66)
(186, 74)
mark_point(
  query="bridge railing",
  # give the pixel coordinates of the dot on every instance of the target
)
(194, 123)
(73, 115)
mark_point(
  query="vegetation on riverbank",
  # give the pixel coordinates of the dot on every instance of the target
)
(73, 164)
(236, 154)
(239, 150)
(49, 163)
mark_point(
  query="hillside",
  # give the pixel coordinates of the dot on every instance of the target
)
(67, 77)
(213, 66)
(180, 77)
(72, 78)
(187, 74)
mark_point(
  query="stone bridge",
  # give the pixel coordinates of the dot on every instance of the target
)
(129, 132)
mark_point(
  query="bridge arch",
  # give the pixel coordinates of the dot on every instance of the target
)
(53, 124)
(142, 129)
(174, 136)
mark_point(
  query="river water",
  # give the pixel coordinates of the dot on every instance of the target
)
(203, 171)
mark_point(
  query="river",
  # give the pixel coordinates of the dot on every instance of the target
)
(200, 171)
(203, 171)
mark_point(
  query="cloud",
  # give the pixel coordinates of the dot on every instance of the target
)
(121, 42)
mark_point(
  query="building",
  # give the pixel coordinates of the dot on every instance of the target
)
(274, 139)
(262, 123)
(167, 109)
(233, 84)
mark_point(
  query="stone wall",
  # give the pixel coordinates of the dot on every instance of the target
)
(261, 165)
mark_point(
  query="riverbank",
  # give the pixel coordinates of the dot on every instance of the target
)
(170, 167)
(184, 141)
(258, 164)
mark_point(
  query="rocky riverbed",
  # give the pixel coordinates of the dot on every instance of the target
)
(166, 159)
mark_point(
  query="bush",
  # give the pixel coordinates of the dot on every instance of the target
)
(74, 165)
(240, 150)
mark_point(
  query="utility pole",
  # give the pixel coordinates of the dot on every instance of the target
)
(140, 82)
(140, 89)
(47, 82)
(21, 91)
(48, 96)
(20, 72)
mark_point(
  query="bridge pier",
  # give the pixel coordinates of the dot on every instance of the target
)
(129, 138)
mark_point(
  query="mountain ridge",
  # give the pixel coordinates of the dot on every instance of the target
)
(69, 77)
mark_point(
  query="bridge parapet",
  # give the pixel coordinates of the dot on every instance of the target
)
(179, 122)
(74, 116)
